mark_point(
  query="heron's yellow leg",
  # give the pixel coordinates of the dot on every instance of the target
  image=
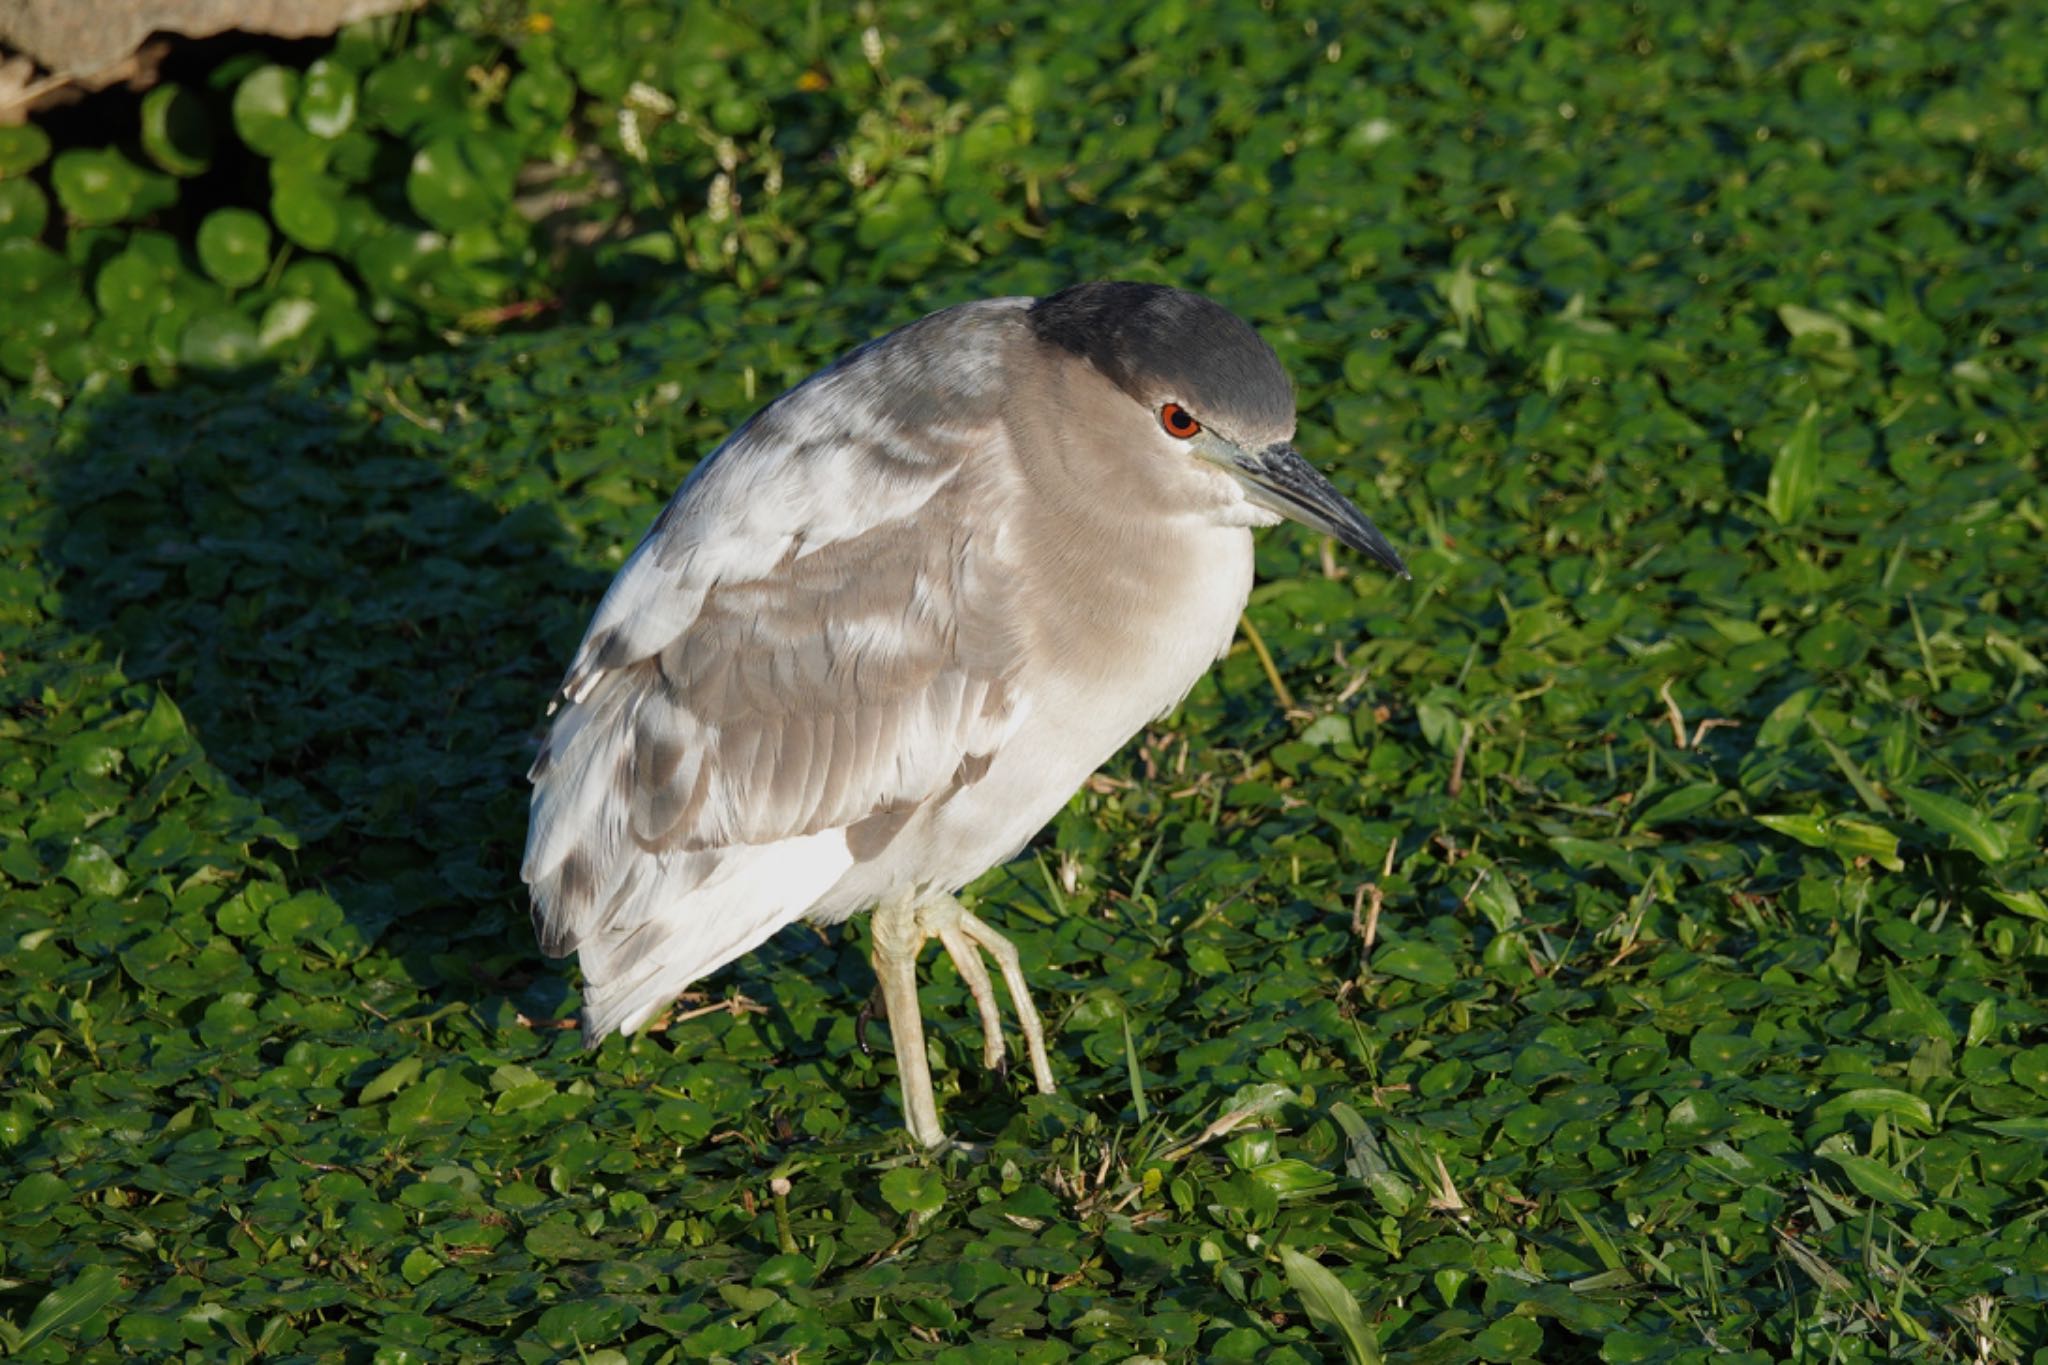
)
(967, 960)
(962, 933)
(898, 937)
(900, 929)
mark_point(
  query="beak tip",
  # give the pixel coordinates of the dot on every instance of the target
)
(1279, 479)
(1377, 548)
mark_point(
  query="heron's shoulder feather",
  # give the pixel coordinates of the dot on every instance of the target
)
(859, 447)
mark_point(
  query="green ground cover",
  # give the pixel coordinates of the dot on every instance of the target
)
(1626, 942)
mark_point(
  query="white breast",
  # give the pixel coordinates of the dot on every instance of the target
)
(1084, 706)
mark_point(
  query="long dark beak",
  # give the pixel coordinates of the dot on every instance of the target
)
(1278, 478)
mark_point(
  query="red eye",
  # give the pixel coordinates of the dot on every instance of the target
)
(1178, 421)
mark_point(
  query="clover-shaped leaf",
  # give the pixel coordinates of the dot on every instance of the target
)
(234, 246)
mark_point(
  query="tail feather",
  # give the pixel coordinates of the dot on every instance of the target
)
(669, 937)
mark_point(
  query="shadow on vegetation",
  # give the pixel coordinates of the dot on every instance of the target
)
(361, 622)
(356, 641)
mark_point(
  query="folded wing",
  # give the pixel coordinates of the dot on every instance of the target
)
(809, 646)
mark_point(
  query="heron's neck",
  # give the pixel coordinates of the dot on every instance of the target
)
(1121, 565)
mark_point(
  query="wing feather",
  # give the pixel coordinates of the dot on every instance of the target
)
(810, 642)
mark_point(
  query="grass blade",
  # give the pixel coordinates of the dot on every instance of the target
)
(1136, 1073)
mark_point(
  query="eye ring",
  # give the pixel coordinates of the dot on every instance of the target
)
(1178, 422)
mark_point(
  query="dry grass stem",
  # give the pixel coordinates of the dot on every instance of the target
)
(1676, 716)
(1223, 1126)
(1458, 760)
(736, 1006)
(1367, 901)
(1446, 1199)
(1258, 644)
(1713, 723)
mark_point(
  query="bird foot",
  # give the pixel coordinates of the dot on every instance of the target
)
(900, 929)
(965, 938)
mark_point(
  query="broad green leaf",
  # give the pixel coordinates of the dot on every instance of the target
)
(263, 112)
(234, 246)
(1983, 1022)
(458, 182)
(1832, 646)
(1331, 1306)
(1851, 839)
(1809, 322)
(1964, 823)
(1785, 719)
(1896, 1104)
(96, 187)
(410, 90)
(307, 206)
(177, 133)
(1494, 896)
(539, 99)
(390, 1080)
(1854, 839)
(1416, 960)
(165, 722)
(2030, 1068)
(1261, 1098)
(24, 208)
(2031, 1128)
(1677, 805)
(23, 147)
(1697, 1117)
(1365, 1161)
(327, 100)
(306, 915)
(286, 321)
(1910, 1001)
(1289, 1178)
(748, 1300)
(1811, 830)
(94, 871)
(1795, 471)
(2028, 903)
(1877, 1180)
(90, 1290)
(37, 1191)
(441, 1098)
(557, 1238)
(1602, 853)
(573, 1328)
(1395, 1195)
(911, 1189)
(220, 339)
(141, 282)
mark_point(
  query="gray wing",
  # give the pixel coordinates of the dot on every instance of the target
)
(817, 636)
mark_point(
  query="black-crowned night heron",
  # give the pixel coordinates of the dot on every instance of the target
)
(884, 631)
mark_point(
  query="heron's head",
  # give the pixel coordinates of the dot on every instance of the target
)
(1204, 386)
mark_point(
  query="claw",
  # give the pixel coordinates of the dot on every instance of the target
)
(966, 938)
(862, 1018)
